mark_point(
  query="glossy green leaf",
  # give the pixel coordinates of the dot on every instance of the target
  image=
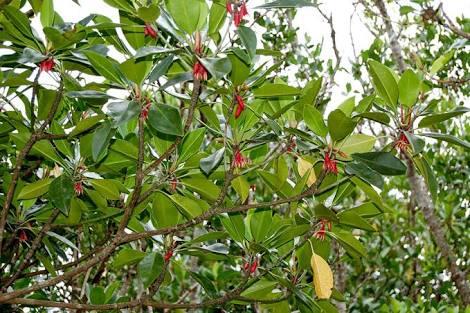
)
(166, 119)
(432, 119)
(211, 162)
(61, 192)
(242, 187)
(189, 15)
(384, 82)
(150, 268)
(356, 143)
(191, 144)
(123, 111)
(105, 67)
(285, 4)
(339, 125)
(383, 162)
(164, 212)
(127, 256)
(276, 90)
(248, 38)
(314, 120)
(47, 13)
(204, 187)
(217, 67)
(101, 139)
(448, 138)
(409, 87)
(35, 189)
(441, 62)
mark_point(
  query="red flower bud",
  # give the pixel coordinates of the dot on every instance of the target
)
(78, 188)
(150, 31)
(402, 143)
(168, 255)
(239, 160)
(321, 233)
(329, 165)
(228, 6)
(173, 184)
(22, 236)
(199, 71)
(254, 266)
(46, 65)
(240, 106)
(144, 113)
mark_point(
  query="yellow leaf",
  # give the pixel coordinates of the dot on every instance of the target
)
(322, 276)
(303, 167)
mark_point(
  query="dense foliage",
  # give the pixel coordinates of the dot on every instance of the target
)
(166, 162)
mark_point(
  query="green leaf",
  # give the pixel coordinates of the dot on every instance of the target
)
(19, 20)
(260, 223)
(31, 56)
(276, 90)
(351, 218)
(191, 144)
(248, 38)
(164, 212)
(259, 290)
(101, 138)
(106, 188)
(189, 15)
(189, 207)
(240, 70)
(217, 67)
(314, 120)
(383, 162)
(152, 50)
(234, 225)
(136, 71)
(310, 92)
(409, 87)
(356, 143)
(366, 173)
(242, 187)
(286, 4)
(366, 210)
(204, 187)
(347, 106)
(149, 14)
(105, 67)
(205, 283)
(127, 256)
(123, 111)
(340, 125)
(448, 138)
(35, 189)
(160, 69)
(47, 13)
(384, 82)
(61, 193)
(380, 117)
(150, 268)
(166, 119)
(121, 5)
(87, 94)
(85, 125)
(441, 62)
(440, 117)
(347, 240)
(217, 16)
(97, 295)
(211, 162)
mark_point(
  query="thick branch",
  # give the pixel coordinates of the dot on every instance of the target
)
(35, 136)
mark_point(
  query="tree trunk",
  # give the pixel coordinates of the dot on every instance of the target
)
(418, 187)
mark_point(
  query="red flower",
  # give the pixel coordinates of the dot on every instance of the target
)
(199, 71)
(168, 255)
(78, 188)
(22, 236)
(402, 143)
(46, 65)
(329, 165)
(321, 233)
(239, 160)
(238, 10)
(254, 266)
(150, 31)
(144, 113)
(240, 106)
(228, 6)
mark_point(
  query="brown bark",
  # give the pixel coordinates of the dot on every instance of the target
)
(419, 189)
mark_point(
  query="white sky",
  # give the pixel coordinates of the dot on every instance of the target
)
(308, 20)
